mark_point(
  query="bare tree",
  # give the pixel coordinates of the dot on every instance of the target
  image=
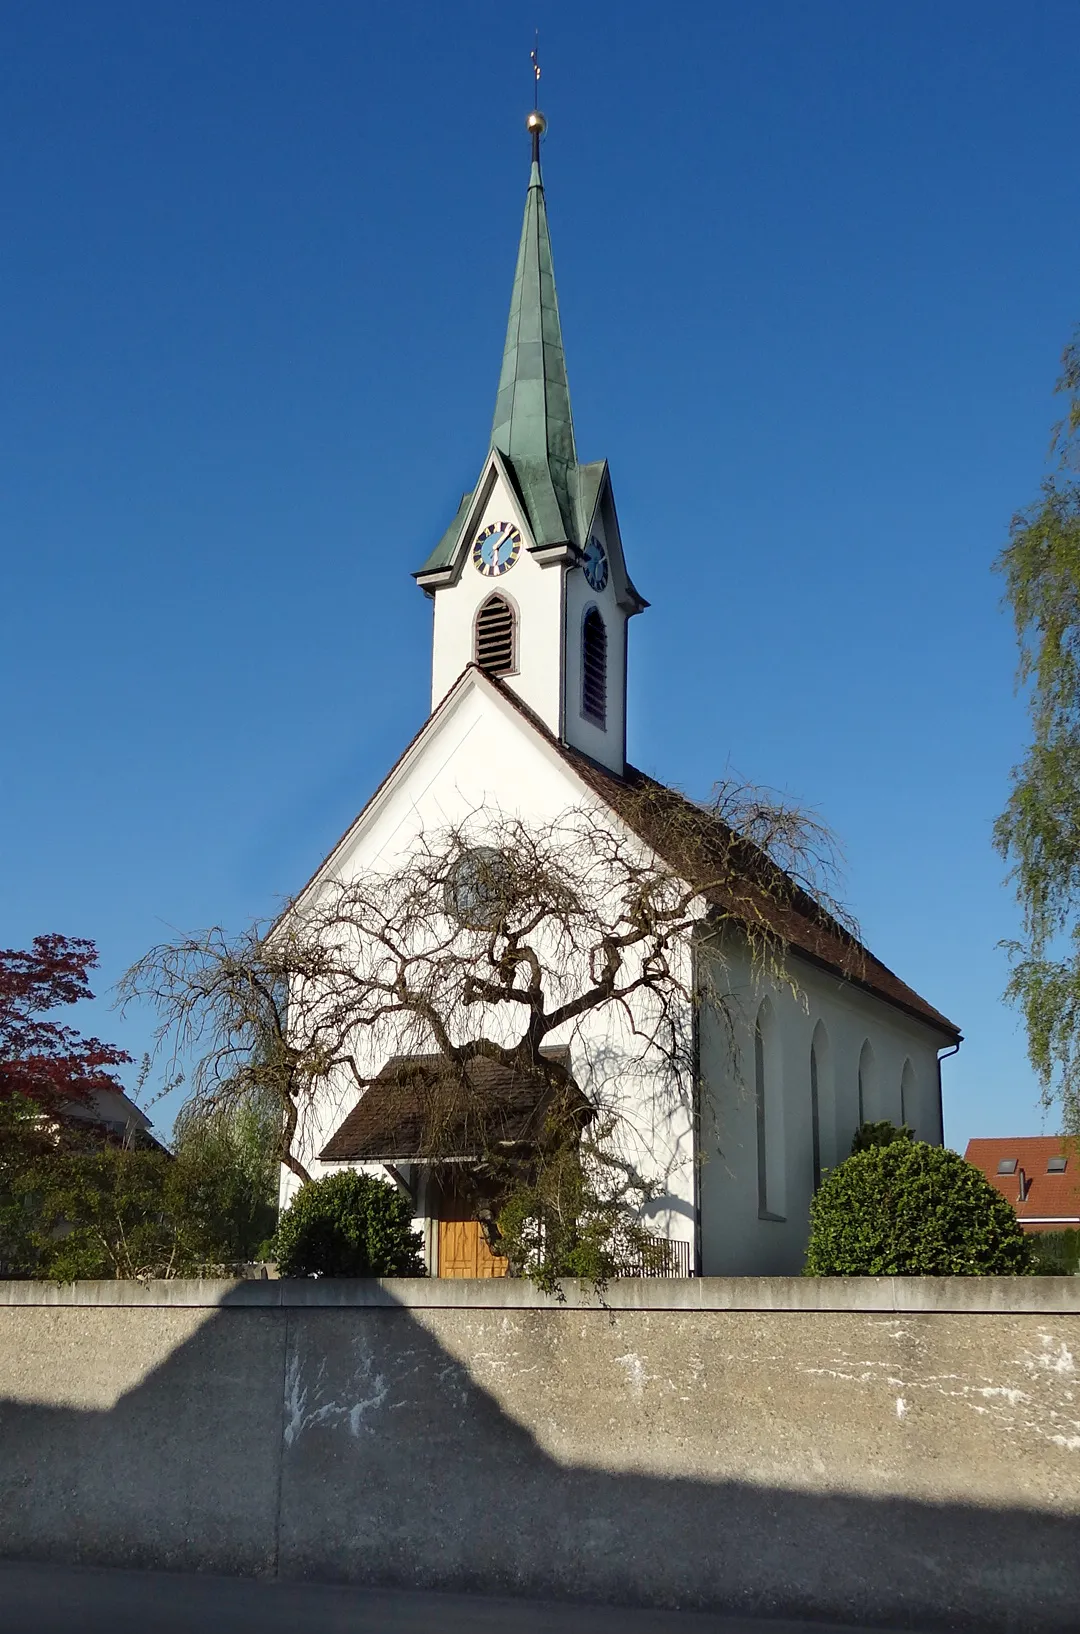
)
(469, 951)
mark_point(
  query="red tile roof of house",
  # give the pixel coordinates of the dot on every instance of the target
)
(1045, 1202)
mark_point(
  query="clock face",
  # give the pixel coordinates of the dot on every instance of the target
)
(496, 549)
(595, 564)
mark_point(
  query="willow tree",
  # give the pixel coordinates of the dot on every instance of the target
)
(1038, 833)
(488, 960)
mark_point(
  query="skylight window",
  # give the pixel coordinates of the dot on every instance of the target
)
(1007, 1166)
(1056, 1165)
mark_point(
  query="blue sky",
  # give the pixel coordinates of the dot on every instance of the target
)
(816, 266)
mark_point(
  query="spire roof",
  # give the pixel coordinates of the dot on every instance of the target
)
(533, 427)
(533, 432)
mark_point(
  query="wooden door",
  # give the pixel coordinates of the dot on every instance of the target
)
(464, 1251)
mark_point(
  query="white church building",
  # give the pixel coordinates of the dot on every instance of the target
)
(533, 600)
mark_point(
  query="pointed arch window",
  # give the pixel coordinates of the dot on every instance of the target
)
(594, 668)
(869, 1110)
(822, 1103)
(907, 1094)
(760, 1109)
(769, 1107)
(496, 637)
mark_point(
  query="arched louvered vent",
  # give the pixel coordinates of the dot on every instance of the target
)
(495, 636)
(594, 668)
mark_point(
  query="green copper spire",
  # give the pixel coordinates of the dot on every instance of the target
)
(532, 425)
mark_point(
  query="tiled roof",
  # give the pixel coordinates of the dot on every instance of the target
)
(414, 1095)
(646, 806)
(1044, 1200)
(690, 838)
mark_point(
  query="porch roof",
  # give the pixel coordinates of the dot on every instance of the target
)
(416, 1110)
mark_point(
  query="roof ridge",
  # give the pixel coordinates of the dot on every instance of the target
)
(1015, 1140)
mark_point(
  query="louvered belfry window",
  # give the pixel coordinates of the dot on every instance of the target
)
(594, 668)
(495, 636)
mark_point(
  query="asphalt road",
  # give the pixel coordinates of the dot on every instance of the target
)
(45, 1599)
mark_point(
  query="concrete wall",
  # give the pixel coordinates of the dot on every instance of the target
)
(898, 1451)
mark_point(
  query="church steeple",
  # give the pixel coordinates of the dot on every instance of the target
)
(529, 580)
(533, 427)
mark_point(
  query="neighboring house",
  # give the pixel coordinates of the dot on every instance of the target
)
(532, 605)
(1038, 1174)
(115, 1114)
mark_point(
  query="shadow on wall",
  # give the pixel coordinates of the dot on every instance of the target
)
(354, 1444)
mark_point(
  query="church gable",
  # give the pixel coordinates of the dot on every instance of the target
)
(480, 752)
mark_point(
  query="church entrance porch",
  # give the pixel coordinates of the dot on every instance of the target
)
(435, 1127)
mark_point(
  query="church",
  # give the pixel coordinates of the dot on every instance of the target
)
(532, 605)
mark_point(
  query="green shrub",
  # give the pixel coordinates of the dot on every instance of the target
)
(1056, 1253)
(222, 1188)
(910, 1209)
(879, 1134)
(577, 1216)
(348, 1225)
(102, 1213)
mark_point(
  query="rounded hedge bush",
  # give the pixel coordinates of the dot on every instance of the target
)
(910, 1209)
(348, 1225)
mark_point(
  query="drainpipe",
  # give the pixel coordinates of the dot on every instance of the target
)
(944, 1056)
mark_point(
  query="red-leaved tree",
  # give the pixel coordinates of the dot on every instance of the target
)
(40, 1058)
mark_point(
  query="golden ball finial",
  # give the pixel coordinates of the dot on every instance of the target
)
(536, 123)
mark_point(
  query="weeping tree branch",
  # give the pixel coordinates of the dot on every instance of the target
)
(1038, 833)
(473, 953)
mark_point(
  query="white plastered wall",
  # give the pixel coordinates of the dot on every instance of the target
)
(735, 1239)
(534, 592)
(477, 760)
